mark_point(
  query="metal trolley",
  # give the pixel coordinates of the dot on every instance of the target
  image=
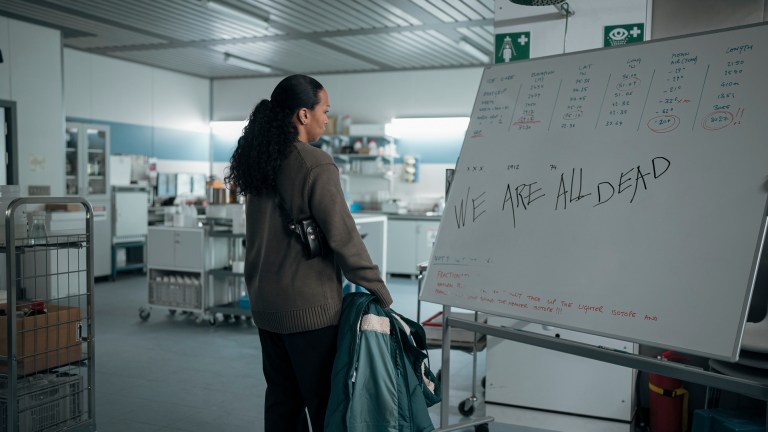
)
(47, 351)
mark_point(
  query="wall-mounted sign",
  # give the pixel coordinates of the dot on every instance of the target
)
(512, 46)
(622, 34)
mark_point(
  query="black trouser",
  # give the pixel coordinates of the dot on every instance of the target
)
(297, 368)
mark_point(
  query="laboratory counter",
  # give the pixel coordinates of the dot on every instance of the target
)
(417, 216)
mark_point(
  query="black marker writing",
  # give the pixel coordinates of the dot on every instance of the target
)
(524, 195)
(460, 212)
(563, 192)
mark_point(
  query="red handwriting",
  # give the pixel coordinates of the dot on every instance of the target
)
(623, 313)
(501, 299)
(591, 308)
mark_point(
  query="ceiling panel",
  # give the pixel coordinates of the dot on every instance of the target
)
(297, 56)
(302, 36)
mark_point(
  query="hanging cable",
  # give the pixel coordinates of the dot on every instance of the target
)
(565, 7)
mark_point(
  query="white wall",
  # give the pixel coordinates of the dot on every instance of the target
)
(679, 17)
(103, 88)
(585, 26)
(367, 97)
(31, 76)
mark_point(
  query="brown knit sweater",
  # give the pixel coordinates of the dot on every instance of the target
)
(289, 293)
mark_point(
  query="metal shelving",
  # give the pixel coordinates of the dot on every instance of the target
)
(228, 282)
(47, 351)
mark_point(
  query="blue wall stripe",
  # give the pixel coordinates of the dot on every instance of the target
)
(430, 150)
(162, 143)
(222, 147)
(166, 143)
(182, 145)
(130, 139)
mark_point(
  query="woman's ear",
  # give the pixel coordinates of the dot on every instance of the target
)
(303, 116)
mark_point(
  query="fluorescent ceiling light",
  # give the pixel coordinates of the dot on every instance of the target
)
(218, 6)
(537, 2)
(245, 64)
(471, 49)
(430, 126)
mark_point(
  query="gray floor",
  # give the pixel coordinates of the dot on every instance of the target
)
(174, 374)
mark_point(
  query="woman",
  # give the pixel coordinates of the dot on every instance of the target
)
(295, 301)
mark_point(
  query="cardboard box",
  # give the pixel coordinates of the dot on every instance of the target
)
(43, 341)
(68, 207)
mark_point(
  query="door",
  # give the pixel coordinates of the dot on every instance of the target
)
(401, 254)
(426, 234)
(8, 145)
(189, 249)
(161, 248)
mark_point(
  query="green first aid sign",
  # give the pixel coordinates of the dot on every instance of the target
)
(513, 46)
(622, 34)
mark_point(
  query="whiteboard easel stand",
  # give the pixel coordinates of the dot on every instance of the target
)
(445, 379)
(621, 358)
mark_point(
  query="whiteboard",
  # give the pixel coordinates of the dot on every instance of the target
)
(619, 192)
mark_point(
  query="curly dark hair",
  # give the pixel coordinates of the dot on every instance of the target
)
(269, 136)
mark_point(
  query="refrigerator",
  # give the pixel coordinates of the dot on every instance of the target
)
(87, 176)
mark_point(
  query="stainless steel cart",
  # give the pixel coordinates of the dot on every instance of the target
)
(179, 262)
(47, 351)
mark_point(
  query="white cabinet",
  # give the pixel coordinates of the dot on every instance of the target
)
(373, 230)
(181, 248)
(409, 243)
(426, 234)
(523, 375)
(86, 160)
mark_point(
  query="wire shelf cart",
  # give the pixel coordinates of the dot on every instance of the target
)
(47, 351)
(178, 265)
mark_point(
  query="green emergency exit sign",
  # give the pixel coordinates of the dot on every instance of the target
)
(623, 34)
(513, 46)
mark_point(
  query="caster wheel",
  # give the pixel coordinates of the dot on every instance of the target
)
(172, 312)
(466, 407)
(144, 314)
(212, 321)
(482, 428)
